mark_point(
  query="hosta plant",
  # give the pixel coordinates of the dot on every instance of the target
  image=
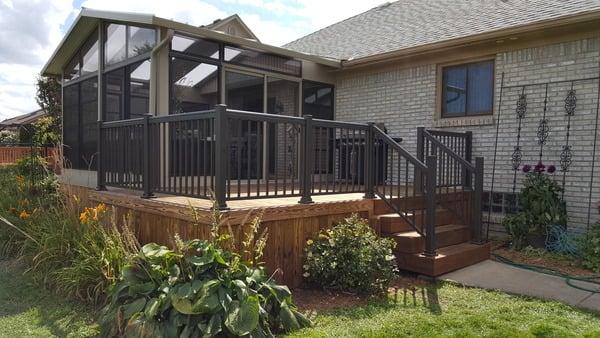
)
(200, 289)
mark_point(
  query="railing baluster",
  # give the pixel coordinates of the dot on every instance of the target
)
(430, 201)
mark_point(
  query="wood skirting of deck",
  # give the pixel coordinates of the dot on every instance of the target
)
(289, 223)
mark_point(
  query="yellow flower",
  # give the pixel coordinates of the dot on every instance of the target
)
(24, 215)
(20, 179)
(83, 217)
(24, 202)
(309, 242)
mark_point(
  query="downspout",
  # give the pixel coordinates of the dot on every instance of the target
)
(154, 71)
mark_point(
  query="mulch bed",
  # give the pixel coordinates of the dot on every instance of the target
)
(563, 265)
(319, 300)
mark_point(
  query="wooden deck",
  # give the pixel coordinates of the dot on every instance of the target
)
(290, 225)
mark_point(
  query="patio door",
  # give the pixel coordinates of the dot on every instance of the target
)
(245, 91)
(278, 144)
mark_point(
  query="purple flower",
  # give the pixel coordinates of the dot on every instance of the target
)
(539, 167)
(551, 169)
(526, 168)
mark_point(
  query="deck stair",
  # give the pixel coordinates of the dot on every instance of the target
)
(453, 242)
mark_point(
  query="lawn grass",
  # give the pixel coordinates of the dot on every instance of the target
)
(449, 310)
(28, 310)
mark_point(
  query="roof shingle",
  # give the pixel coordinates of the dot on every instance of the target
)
(410, 23)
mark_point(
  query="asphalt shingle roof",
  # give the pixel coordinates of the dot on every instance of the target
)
(411, 23)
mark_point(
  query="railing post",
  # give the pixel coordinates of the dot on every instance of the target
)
(418, 175)
(477, 196)
(307, 156)
(100, 180)
(146, 180)
(369, 179)
(221, 155)
(430, 203)
(466, 179)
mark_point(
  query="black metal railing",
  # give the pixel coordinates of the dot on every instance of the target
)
(230, 155)
(457, 178)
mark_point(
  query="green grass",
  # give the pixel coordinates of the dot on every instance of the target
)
(449, 310)
(28, 310)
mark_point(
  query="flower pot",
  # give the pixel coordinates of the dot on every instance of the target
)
(537, 241)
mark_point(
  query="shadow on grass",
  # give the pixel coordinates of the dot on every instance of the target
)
(425, 296)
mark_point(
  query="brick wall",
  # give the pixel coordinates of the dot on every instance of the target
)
(404, 98)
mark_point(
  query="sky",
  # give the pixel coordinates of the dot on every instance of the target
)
(32, 29)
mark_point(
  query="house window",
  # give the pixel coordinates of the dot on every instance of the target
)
(468, 89)
(501, 202)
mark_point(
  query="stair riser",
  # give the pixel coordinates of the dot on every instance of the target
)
(443, 239)
(439, 265)
(392, 225)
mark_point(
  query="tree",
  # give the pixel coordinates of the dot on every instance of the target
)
(48, 96)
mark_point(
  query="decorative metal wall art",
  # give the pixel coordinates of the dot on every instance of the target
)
(517, 155)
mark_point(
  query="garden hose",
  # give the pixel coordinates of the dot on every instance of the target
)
(595, 280)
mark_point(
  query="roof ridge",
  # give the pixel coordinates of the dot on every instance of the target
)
(387, 3)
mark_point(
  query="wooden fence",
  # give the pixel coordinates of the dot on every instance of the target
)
(10, 154)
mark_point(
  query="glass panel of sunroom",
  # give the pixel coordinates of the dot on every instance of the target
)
(194, 85)
(195, 47)
(115, 45)
(139, 89)
(262, 60)
(141, 40)
(88, 123)
(72, 69)
(90, 55)
(114, 103)
(71, 125)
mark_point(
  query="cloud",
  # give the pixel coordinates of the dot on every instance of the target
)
(30, 31)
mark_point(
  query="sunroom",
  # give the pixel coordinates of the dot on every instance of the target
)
(120, 66)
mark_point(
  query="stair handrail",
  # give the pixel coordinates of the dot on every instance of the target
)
(429, 192)
(470, 169)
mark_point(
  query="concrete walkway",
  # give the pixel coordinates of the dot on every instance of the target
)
(498, 276)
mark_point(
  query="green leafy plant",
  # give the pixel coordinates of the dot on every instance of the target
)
(32, 164)
(517, 227)
(350, 257)
(589, 248)
(200, 289)
(541, 202)
(77, 257)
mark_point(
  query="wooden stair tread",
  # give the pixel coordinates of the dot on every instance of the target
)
(438, 230)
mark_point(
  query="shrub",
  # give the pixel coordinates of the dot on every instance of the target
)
(517, 228)
(201, 289)
(32, 165)
(541, 202)
(350, 257)
(8, 137)
(589, 248)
